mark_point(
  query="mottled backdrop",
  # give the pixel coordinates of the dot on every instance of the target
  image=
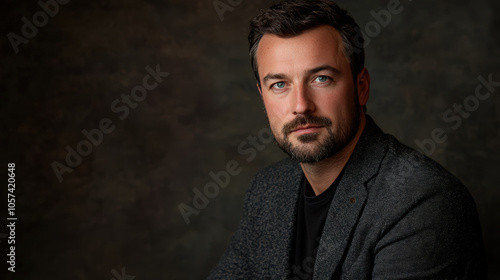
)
(108, 207)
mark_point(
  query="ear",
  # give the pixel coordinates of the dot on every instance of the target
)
(260, 90)
(363, 83)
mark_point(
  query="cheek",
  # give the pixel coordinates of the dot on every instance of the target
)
(331, 104)
(272, 108)
(275, 114)
(339, 101)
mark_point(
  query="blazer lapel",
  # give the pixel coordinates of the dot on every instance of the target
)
(349, 200)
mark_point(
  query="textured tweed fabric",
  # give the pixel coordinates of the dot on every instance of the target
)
(396, 215)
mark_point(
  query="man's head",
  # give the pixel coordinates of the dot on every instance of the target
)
(291, 18)
(312, 81)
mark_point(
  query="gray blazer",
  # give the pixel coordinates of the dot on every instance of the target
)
(396, 215)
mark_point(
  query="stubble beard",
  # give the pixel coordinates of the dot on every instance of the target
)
(311, 148)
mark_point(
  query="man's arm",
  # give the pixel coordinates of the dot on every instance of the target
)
(438, 237)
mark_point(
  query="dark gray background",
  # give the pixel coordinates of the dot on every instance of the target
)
(119, 207)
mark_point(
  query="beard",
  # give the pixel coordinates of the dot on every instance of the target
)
(311, 148)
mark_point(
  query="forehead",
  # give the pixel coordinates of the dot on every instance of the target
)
(319, 46)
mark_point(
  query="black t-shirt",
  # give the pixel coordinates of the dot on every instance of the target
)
(311, 216)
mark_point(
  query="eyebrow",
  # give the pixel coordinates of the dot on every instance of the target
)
(272, 76)
(334, 70)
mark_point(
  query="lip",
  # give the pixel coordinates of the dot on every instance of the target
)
(306, 129)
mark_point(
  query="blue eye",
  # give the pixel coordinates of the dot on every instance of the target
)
(322, 79)
(279, 85)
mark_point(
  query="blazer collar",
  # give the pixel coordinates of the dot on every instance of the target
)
(349, 199)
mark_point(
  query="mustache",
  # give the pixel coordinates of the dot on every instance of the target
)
(304, 120)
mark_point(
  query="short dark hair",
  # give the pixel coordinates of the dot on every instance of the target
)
(291, 18)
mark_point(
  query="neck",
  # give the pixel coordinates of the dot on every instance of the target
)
(322, 174)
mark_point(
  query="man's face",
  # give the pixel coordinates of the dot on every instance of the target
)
(308, 93)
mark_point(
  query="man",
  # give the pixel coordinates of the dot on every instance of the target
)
(352, 202)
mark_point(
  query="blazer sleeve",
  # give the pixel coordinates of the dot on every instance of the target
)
(437, 236)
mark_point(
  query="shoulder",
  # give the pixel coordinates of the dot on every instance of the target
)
(414, 200)
(276, 183)
(278, 171)
(277, 176)
(408, 168)
(410, 182)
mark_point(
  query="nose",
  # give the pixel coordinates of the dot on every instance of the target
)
(304, 103)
